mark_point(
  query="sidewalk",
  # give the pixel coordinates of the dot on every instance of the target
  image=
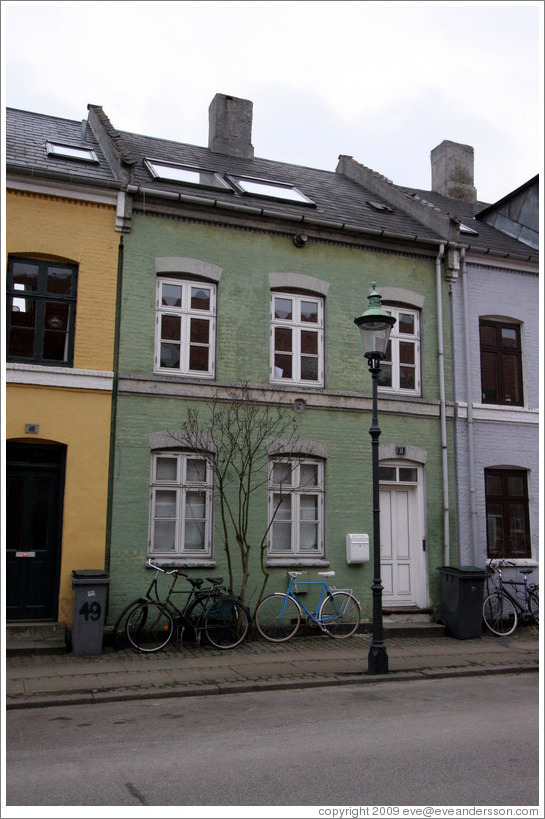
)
(37, 681)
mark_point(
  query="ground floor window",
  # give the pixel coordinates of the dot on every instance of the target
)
(507, 515)
(180, 505)
(296, 508)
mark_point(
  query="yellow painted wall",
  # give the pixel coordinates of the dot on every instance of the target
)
(78, 232)
(84, 233)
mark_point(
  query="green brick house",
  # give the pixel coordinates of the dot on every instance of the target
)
(239, 270)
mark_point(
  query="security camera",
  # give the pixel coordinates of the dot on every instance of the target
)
(300, 240)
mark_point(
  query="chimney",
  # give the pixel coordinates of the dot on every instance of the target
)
(230, 126)
(452, 171)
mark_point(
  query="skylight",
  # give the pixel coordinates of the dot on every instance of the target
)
(275, 190)
(71, 152)
(466, 229)
(185, 173)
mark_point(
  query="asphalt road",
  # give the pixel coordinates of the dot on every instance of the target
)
(470, 741)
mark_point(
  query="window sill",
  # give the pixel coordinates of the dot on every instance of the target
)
(294, 562)
(182, 562)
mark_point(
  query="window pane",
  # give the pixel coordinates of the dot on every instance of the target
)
(495, 527)
(511, 385)
(283, 308)
(56, 315)
(282, 474)
(406, 323)
(488, 377)
(509, 337)
(407, 378)
(516, 486)
(517, 528)
(281, 537)
(198, 359)
(165, 503)
(170, 356)
(309, 537)
(283, 339)
(200, 298)
(25, 276)
(59, 281)
(195, 505)
(309, 369)
(200, 331)
(282, 506)
(308, 475)
(493, 484)
(407, 474)
(309, 311)
(309, 342)
(282, 366)
(171, 327)
(406, 352)
(55, 346)
(171, 295)
(164, 539)
(194, 539)
(487, 335)
(166, 469)
(196, 470)
(385, 375)
(387, 473)
(308, 507)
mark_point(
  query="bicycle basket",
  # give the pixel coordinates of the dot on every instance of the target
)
(221, 609)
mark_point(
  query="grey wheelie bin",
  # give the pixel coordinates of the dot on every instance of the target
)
(463, 590)
(90, 589)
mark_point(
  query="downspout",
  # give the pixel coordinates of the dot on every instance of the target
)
(456, 421)
(469, 399)
(442, 399)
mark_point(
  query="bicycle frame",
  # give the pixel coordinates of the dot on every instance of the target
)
(326, 591)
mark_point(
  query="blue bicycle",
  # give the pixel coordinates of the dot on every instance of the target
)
(279, 615)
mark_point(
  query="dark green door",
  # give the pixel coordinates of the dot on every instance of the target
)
(34, 479)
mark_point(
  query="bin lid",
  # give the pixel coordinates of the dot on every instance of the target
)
(86, 573)
(462, 570)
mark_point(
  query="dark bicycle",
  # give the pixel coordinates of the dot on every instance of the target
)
(150, 623)
(502, 609)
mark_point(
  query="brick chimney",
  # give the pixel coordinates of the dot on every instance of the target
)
(230, 126)
(452, 171)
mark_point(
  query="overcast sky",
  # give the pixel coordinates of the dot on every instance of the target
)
(382, 82)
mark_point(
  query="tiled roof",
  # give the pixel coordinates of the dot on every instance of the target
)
(488, 238)
(337, 200)
(26, 137)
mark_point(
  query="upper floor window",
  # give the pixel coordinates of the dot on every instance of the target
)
(41, 311)
(185, 327)
(71, 152)
(296, 508)
(181, 505)
(297, 339)
(501, 363)
(507, 516)
(400, 369)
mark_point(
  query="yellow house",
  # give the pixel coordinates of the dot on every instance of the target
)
(62, 251)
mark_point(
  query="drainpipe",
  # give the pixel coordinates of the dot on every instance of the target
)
(443, 413)
(470, 441)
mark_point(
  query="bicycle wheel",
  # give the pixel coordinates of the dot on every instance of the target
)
(150, 627)
(119, 633)
(277, 617)
(339, 614)
(533, 604)
(499, 614)
(226, 622)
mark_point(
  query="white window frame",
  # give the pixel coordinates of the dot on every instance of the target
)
(396, 337)
(181, 485)
(292, 487)
(297, 327)
(71, 152)
(185, 313)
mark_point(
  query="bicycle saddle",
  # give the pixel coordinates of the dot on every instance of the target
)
(525, 571)
(196, 582)
(327, 574)
(215, 580)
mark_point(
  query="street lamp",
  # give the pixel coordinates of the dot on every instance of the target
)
(375, 326)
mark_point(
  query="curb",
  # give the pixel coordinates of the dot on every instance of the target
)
(123, 695)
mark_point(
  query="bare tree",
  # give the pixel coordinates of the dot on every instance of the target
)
(236, 433)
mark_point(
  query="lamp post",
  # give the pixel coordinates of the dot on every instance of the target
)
(375, 326)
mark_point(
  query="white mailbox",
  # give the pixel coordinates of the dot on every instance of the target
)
(357, 548)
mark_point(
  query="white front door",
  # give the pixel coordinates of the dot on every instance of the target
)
(401, 546)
